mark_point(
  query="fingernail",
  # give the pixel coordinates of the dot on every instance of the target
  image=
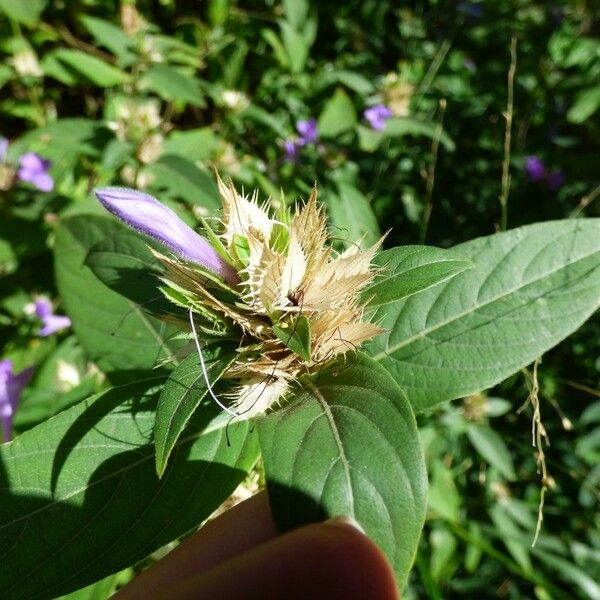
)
(345, 521)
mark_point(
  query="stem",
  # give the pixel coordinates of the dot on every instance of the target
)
(585, 202)
(508, 115)
(431, 174)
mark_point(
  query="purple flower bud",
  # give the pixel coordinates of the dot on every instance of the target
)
(291, 148)
(534, 168)
(147, 215)
(377, 116)
(11, 386)
(555, 179)
(51, 323)
(34, 169)
(308, 131)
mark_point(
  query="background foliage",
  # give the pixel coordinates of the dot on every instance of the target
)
(156, 94)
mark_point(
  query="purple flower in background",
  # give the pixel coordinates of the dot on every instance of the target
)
(51, 323)
(377, 116)
(11, 386)
(147, 215)
(291, 148)
(555, 179)
(535, 168)
(308, 131)
(34, 169)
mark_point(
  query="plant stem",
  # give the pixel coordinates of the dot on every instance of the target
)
(508, 115)
(431, 174)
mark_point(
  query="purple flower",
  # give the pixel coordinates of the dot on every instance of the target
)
(11, 386)
(535, 168)
(147, 215)
(291, 148)
(308, 131)
(34, 169)
(51, 323)
(377, 116)
(555, 179)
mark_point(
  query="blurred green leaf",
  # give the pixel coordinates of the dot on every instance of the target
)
(444, 499)
(352, 216)
(194, 144)
(23, 11)
(172, 84)
(512, 537)
(87, 68)
(184, 179)
(397, 127)
(493, 449)
(295, 45)
(586, 104)
(338, 115)
(296, 12)
(110, 36)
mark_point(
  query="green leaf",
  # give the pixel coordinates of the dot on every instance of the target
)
(100, 590)
(493, 449)
(352, 215)
(296, 337)
(124, 263)
(516, 542)
(397, 127)
(194, 144)
(529, 289)
(64, 142)
(407, 270)
(586, 104)
(89, 68)
(185, 180)
(351, 79)
(338, 115)
(110, 36)
(181, 396)
(296, 47)
(116, 332)
(296, 12)
(444, 499)
(81, 490)
(23, 11)
(261, 116)
(172, 84)
(348, 444)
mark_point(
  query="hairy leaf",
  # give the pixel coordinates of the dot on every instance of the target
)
(116, 331)
(407, 270)
(81, 490)
(181, 396)
(529, 289)
(348, 445)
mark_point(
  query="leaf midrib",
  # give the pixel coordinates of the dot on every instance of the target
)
(425, 332)
(338, 441)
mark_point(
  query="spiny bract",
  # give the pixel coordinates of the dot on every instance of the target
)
(298, 303)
